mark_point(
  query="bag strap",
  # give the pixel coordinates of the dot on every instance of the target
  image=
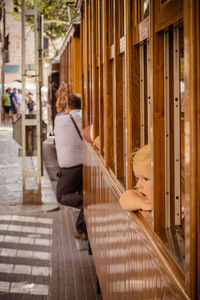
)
(76, 126)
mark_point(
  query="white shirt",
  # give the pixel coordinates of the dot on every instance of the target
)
(68, 143)
(19, 102)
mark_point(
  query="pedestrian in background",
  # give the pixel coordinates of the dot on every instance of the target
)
(14, 104)
(30, 103)
(19, 102)
(6, 105)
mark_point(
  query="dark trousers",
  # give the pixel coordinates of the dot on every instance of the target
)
(70, 192)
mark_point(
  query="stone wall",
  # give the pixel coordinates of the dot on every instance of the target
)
(13, 27)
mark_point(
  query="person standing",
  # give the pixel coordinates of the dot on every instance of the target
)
(6, 104)
(69, 149)
(30, 103)
(13, 101)
(19, 102)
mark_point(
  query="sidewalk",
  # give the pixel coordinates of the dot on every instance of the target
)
(39, 258)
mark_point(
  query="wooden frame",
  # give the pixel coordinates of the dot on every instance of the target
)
(105, 174)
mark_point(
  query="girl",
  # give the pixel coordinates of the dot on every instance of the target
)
(140, 197)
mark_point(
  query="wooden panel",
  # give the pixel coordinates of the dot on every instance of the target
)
(168, 13)
(101, 83)
(129, 89)
(76, 65)
(108, 93)
(130, 263)
(157, 82)
(192, 145)
(95, 108)
(144, 30)
(86, 78)
(135, 92)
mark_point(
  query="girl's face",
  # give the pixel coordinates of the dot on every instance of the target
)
(143, 174)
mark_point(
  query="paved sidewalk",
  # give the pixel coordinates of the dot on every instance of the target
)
(11, 177)
(39, 258)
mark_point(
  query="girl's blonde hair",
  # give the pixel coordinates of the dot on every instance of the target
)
(143, 155)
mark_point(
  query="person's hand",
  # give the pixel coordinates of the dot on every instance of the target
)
(131, 200)
(97, 142)
(147, 205)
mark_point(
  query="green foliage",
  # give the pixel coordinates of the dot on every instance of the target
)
(57, 15)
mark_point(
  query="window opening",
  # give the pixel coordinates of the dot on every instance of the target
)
(181, 97)
(174, 126)
(167, 130)
(146, 8)
(163, 1)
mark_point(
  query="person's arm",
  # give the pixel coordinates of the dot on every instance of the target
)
(97, 142)
(14, 101)
(3, 99)
(86, 134)
(131, 200)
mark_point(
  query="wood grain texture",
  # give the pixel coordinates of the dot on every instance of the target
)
(124, 249)
(157, 73)
(168, 13)
(192, 139)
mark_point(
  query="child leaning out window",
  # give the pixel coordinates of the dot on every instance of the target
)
(140, 197)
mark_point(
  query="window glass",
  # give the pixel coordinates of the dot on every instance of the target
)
(146, 8)
(174, 141)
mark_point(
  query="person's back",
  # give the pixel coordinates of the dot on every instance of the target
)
(19, 101)
(14, 104)
(13, 97)
(69, 147)
(6, 99)
(68, 143)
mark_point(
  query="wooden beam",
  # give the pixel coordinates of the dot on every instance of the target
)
(192, 146)
(157, 96)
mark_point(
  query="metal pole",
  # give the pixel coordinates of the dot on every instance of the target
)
(23, 102)
(31, 196)
(41, 47)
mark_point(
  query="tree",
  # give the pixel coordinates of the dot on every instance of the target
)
(58, 15)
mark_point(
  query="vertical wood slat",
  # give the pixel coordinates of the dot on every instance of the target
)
(82, 68)
(192, 145)
(135, 88)
(76, 65)
(198, 140)
(167, 129)
(100, 76)
(118, 94)
(108, 92)
(95, 107)
(171, 121)
(177, 137)
(128, 96)
(90, 103)
(157, 78)
(86, 79)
